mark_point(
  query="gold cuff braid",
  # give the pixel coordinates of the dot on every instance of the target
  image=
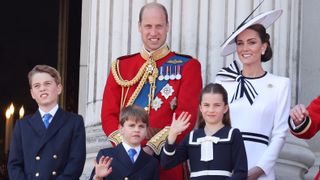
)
(115, 137)
(157, 141)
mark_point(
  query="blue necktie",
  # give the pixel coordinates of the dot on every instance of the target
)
(131, 153)
(46, 119)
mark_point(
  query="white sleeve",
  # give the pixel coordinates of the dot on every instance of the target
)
(280, 128)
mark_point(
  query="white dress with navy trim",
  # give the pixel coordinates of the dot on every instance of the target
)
(263, 121)
(227, 159)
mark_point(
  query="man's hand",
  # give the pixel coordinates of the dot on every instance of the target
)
(103, 168)
(298, 113)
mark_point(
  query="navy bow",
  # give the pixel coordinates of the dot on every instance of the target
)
(244, 87)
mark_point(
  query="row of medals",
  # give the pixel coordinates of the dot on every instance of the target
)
(171, 72)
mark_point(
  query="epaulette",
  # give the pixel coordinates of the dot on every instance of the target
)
(183, 55)
(127, 56)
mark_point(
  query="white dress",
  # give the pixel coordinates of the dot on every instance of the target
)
(264, 122)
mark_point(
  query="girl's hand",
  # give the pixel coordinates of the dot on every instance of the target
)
(103, 168)
(178, 126)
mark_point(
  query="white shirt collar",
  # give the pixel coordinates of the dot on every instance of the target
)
(127, 147)
(52, 111)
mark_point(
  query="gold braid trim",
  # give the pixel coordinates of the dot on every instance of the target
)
(157, 141)
(150, 68)
(126, 83)
(138, 89)
(115, 137)
(148, 71)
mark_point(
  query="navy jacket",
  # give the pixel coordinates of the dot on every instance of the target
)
(146, 167)
(58, 152)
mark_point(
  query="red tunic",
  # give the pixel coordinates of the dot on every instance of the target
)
(186, 92)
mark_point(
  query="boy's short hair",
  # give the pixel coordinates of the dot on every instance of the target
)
(135, 112)
(44, 69)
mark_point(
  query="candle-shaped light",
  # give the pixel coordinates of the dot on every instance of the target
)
(21, 112)
(11, 109)
(8, 117)
(8, 113)
(9, 124)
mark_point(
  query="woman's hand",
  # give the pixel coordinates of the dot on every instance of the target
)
(178, 126)
(254, 173)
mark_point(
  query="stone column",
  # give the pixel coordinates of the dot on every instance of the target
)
(94, 64)
(295, 159)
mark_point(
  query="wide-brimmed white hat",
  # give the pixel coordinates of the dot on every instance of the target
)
(266, 19)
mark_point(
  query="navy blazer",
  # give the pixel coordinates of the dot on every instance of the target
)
(58, 152)
(146, 167)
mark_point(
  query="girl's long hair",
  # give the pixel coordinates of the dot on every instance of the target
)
(214, 88)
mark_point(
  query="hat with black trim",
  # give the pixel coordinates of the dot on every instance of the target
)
(266, 19)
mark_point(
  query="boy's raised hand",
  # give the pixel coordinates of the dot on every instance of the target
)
(178, 126)
(103, 168)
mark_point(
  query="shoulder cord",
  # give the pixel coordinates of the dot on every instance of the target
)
(148, 69)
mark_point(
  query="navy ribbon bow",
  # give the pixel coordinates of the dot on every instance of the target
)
(244, 88)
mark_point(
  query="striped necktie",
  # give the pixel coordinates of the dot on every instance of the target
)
(131, 153)
(46, 119)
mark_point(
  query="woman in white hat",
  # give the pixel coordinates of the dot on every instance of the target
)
(259, 100)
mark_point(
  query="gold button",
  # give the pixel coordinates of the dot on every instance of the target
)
(54, 173)
(37, 158)
(37, 174)
(55, 156)
(126, 178)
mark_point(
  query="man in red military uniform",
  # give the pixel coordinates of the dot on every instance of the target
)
(157, 79)
(305, 122)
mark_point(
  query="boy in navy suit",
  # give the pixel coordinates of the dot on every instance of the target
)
(127, 160)
(50, 144)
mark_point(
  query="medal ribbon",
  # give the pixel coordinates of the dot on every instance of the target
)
(142, 100)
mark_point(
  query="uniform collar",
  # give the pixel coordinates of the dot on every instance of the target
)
(155, 55)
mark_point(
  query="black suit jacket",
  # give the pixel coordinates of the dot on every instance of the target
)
(146, 167)
(58, 152)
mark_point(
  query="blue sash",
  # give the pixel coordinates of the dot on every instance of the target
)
(142, 99)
